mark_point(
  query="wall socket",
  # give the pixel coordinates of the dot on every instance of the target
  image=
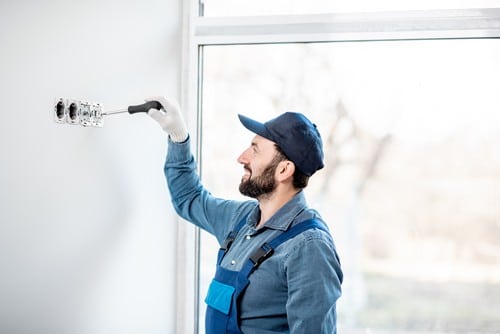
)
(70, 111)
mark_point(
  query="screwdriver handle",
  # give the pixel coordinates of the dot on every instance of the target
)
(144, 107)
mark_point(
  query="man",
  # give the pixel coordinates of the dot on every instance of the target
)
(277, 269)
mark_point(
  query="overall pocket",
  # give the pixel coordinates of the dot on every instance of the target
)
(220, 296)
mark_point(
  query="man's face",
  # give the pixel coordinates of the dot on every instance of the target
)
(259, 162)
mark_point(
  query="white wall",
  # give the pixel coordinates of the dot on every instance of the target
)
(87, 235)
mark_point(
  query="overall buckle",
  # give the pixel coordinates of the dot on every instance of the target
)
(229, 241)
(261, 254)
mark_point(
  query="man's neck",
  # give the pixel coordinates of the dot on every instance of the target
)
(270, 204)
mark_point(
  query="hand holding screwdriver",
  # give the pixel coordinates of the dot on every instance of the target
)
(165, 111)
(169, 117)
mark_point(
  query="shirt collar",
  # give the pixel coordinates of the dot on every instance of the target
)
(285, 216)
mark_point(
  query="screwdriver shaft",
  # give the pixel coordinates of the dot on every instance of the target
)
(118, 111)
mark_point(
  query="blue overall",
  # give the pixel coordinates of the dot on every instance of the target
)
(224, 293)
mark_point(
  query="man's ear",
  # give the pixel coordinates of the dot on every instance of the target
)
(285, 170)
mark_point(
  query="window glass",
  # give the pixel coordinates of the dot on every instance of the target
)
(290, 7)
(411, 186)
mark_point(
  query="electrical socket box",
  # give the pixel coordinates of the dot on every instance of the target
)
(76, 112)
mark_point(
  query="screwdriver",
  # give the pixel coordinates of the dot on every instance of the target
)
(138, 108)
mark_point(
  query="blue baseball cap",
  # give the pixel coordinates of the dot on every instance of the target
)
(297, 137)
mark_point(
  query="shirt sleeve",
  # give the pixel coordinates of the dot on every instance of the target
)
(314, 280)
(192, 201)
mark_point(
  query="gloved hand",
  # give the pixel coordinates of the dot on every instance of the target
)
(170, 118)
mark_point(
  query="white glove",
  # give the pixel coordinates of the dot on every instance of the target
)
(170, 118)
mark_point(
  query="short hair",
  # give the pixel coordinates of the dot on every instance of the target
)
(300, 180)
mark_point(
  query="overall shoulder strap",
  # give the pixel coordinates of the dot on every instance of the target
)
(229, 239)
(297, 229)
(267, 249)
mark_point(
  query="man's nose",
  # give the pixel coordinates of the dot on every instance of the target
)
(243, 158)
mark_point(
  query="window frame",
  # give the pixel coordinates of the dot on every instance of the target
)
(199, 31)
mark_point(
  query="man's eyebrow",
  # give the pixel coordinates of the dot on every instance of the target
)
(255, 145)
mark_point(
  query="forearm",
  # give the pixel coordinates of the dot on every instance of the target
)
(191, 200)
(183, 182)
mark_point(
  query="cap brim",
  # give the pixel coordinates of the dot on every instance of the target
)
(254, 126)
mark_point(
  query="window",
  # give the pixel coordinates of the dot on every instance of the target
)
(411, 199)
(408, 110)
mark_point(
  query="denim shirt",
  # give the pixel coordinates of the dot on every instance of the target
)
(296, 289)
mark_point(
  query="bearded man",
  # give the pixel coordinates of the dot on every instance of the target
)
(277, 269)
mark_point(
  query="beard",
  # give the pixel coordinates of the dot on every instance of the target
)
(260, 185)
